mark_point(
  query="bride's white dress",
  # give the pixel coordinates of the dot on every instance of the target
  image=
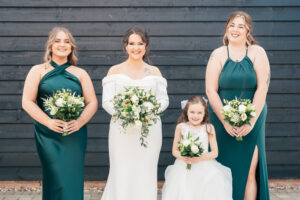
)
(207, 180)
(133, 168)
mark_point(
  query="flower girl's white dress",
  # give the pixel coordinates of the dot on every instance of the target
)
(207, 180)
(133, 168)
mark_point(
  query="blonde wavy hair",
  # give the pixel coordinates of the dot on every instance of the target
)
(248, 25)
(72, 57)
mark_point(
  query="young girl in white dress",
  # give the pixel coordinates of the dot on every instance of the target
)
(207, 179)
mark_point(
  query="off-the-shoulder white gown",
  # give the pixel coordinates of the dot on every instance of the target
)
(133, 168)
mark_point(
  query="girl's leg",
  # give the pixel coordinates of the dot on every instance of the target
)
(251, 187)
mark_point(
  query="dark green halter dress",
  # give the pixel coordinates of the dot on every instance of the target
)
(62, 157)
(238, 79)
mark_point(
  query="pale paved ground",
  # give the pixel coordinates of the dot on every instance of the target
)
(31, 190)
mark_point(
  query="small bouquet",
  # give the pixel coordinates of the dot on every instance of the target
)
(137, 108)
(238, 112)
(190, 146)
(64, 105)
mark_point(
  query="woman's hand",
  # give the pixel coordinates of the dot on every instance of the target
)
(73, 126)
(185, 159)
(194, 160)
(56, 125)
(230, 130)
(244, 130)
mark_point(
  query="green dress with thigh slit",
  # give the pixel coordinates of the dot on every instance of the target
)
(62, 157)
(238, 79)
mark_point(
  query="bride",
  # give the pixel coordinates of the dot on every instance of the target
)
(133, 168)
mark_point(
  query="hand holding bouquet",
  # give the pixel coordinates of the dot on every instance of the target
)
(64, 105)
(238, 112)
(138, 108)
(190, 146)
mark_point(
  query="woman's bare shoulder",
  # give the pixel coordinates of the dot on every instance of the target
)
(152, 70)
(115, 69)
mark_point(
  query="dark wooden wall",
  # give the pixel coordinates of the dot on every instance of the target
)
(183, 34)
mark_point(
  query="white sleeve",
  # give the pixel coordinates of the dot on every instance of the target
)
(109, 88)
(161, 93)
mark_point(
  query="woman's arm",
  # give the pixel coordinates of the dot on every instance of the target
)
(177, 138)
(263, 74)
(213, 72)
(91, 103)
(30, 92)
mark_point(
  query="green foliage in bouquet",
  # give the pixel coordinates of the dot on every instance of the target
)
(238, 112)
(137, 107)
(190, 146)
(64, 105)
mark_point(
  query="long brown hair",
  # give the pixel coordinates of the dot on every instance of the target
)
(145, 38)
(195, 100)
(72, 57)
(248, 24)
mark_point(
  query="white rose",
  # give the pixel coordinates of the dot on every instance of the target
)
(135, 99)
(194, 149)
(53, 110)
(136, 109)
(227, 108)
(148, 105)
(235, 118)
(136, 116)
(243, 117)
(230, 114)
(185, 143)
(253, 114)
(242, 108)
(60, 102)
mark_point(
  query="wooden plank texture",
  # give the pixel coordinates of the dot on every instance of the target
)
(156, 43)
(154, 28)
(16, 131)
(144, 14)
(182, 36)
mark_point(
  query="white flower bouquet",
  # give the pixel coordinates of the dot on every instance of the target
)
(238, 112)
(64, 105)
(137, 108)
(190, 146)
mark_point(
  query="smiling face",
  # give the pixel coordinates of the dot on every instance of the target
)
(136, 47)
(61, 46)
(236, 30)
(196, 113)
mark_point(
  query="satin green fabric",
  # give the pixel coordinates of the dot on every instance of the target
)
(62, 157)
(238, 79)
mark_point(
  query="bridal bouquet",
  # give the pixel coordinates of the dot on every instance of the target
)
(64, 105)
(238, 112)
(137, 108)
(190, 146)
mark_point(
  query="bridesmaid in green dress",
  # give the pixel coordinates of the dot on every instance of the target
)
(62, 157)
(240, 69)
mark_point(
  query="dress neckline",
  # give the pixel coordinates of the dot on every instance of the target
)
(193, 128)
(145, 77)
(55, 65)
(245, 57)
